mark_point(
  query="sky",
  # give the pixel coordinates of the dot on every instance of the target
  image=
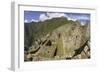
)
(36, 16)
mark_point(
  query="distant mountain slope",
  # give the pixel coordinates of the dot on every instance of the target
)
(35, 30)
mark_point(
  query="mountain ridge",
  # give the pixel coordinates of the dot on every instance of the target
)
(55, 39)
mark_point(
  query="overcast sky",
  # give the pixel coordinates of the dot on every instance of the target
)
(36, 16)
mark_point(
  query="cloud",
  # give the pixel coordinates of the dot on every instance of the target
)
(43, 17)
(26, 21)
(69, 18)
(54, 15)
(33, 20)
(49, 15)
(79, 17)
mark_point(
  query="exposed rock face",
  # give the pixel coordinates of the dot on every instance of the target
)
(69, 38)
(70, 41)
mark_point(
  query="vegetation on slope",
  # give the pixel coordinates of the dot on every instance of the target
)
(35, 30)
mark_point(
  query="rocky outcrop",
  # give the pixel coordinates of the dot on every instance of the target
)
(69, 41)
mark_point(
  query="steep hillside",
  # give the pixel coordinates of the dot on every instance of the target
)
(35, 30)
(57, 38)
